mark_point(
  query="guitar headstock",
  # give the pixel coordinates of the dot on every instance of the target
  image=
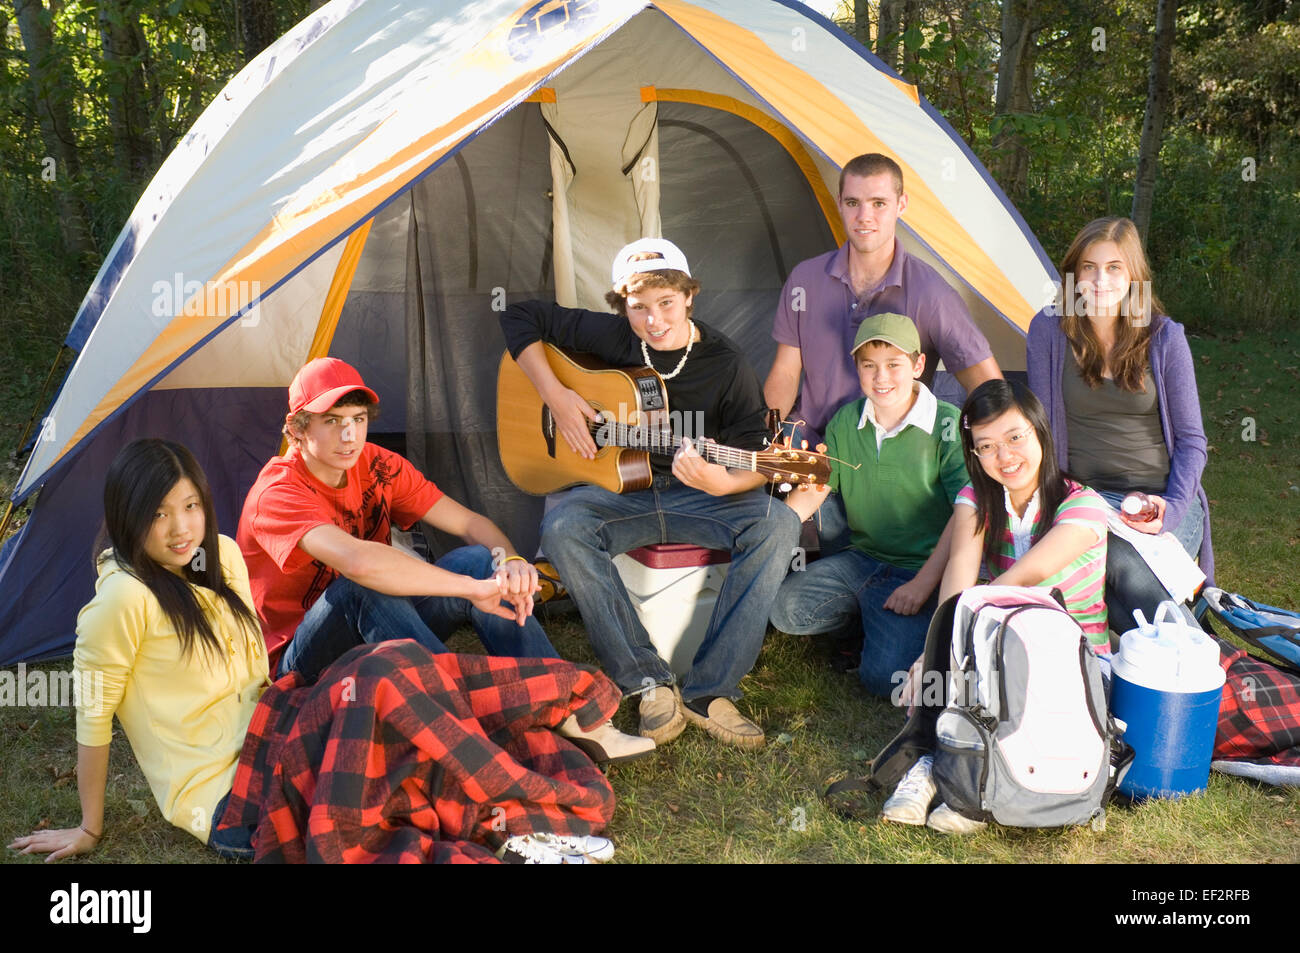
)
(792, 465)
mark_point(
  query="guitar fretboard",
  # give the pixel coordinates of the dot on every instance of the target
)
(665, 443)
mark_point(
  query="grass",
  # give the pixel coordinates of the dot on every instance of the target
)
(698, 801)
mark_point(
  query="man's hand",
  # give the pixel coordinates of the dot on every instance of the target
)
(1151, 527)
(571, 412)
(695, 472)
(908, 598)
(486, 595)
(58, 844)
(518, 581)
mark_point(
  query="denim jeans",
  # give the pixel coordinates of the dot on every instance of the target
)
(1130, 582)
(831, 592)
(347, 615)
(235, 843)
(592, 525)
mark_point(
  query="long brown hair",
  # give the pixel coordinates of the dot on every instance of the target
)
(138, 479)
(1128, 358)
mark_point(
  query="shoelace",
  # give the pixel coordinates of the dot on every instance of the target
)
(917, 779)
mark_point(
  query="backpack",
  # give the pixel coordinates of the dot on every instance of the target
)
(1268, 628)
(1013, 709)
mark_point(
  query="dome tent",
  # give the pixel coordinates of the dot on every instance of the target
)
(377, 183)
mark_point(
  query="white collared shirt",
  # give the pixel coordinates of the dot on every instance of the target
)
(925, 410)
(1021, 527)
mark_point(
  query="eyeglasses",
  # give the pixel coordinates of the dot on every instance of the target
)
(1016, 441)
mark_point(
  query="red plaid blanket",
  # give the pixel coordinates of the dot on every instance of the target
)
(398, 755)
(1259, 719)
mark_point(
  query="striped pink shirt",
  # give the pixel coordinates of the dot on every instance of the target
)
(1083, 581)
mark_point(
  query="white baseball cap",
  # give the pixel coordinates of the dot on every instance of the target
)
(626, 264)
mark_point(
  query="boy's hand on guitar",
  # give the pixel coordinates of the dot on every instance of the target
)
(693, 470)
(571, 412)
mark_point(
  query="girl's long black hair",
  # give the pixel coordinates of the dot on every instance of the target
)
(138, 480)
(987, 402)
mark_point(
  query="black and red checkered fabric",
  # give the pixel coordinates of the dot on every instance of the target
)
(1259, 719)
(398, 755)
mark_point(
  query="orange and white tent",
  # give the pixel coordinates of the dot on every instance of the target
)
(377, 184)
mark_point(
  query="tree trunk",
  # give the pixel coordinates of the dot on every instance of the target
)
(1144, 188)
(1015, 78)
(258, 28)
(911, 62)
(887, 33)
(53, 91)
(862, 22)
(128, 102)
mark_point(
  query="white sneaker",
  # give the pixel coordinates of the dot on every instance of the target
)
(605, 744)
(947, 821)
(558, 849)
(910, 802)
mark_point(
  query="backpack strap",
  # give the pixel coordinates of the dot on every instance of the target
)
(917, 736)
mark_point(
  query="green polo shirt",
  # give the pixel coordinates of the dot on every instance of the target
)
(899, 498)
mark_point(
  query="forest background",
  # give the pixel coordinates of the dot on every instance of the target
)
(1051, 95)
(1059, 98)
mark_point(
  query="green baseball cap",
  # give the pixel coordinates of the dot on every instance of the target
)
(895, 329)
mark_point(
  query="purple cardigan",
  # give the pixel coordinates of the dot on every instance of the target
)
(1180, 410)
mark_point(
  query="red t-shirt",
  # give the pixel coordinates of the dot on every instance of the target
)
(286, 502)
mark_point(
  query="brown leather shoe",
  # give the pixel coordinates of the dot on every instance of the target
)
(663, 715)
(727, 724)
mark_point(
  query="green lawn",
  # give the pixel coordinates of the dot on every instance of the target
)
(696, 800)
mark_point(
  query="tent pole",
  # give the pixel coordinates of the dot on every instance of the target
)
(40, 398)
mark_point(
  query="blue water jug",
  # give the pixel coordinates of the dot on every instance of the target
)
(1167, 685)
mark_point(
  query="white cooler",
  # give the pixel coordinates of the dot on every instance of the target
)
(673, 588)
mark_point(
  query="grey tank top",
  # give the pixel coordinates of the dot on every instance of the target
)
(1115, 438)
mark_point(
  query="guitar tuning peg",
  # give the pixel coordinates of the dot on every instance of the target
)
(785, 488)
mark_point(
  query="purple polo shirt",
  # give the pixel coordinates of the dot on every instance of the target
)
(819, 314)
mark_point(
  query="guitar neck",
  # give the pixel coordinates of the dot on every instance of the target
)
(664, 443)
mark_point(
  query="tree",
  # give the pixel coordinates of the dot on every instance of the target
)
(258, 28)
(54, 90)
(1014, 95)
(1154, 119)
(887, 32)
(124, 51)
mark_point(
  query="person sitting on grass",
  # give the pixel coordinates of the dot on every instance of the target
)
(315, 530)
(1019, 522)
(172, 647)
(897, 465)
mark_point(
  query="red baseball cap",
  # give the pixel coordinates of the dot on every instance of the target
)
(319, 385)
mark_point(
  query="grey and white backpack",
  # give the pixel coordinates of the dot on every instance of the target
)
(1011, 704)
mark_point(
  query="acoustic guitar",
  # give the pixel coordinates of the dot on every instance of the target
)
(634, 424)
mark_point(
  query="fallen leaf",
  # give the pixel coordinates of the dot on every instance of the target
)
(673, 808)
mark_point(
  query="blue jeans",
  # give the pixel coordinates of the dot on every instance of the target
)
(831, 520)
(831, 592)
(235, 843)
(582, 535)
(347, 615)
